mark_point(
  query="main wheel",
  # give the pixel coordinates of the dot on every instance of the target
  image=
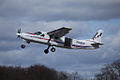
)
(22, 46)
(53, 49)
(46, 51)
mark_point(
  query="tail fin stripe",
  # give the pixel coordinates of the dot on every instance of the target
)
(98, 36)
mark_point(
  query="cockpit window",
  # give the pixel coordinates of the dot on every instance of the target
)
(37, 33)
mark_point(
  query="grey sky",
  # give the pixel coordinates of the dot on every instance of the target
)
(47, 15)
(60, 10)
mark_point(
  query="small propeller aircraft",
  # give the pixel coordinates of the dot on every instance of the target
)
(57, 38)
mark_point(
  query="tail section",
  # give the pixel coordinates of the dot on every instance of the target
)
(98, 36)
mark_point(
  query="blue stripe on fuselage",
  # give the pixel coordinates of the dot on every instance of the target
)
(80, 46)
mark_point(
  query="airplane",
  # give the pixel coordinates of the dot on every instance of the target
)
(57, 38)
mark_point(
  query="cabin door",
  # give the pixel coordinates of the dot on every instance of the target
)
(68, 42)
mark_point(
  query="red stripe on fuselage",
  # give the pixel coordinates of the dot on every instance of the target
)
(30, 33)
(39, 38)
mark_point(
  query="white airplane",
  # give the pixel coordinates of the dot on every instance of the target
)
(57, 38)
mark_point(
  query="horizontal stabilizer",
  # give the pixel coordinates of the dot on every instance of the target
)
(96, 45)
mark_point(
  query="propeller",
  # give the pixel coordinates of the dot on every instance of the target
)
(18, 32)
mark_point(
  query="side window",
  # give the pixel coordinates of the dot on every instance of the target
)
(42, 35)
(37, 33)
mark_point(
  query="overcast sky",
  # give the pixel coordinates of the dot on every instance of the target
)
(85, 17)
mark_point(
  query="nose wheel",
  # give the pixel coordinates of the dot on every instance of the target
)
(46, 51)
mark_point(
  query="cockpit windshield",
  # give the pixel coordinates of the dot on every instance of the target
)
(37, 33)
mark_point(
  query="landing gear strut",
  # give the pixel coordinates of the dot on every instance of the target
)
(22, 45)
(52, 49)
(46, 51)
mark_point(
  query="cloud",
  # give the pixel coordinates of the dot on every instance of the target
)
(60, 10)
(86, 70)
(112, 29)
(78, 27)
(81, 16)
(112, 47)
(62, 59)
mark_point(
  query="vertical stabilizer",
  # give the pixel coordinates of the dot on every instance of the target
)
(98, 36)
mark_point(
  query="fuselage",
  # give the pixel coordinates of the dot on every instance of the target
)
(63, 42)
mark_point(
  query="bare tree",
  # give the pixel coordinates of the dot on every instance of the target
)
(110, 72)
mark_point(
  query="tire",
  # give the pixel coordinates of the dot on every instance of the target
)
(46, 51)
(23, 46)
(53, 49)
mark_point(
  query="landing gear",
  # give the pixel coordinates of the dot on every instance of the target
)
(23, 46)
(46, 51)
(52, 49)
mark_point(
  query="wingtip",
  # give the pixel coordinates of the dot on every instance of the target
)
(67, 28)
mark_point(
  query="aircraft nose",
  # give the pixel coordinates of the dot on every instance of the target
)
(18, 34)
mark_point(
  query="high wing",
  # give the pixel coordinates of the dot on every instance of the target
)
(59, 32)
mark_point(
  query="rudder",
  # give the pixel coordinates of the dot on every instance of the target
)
(98, 36)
